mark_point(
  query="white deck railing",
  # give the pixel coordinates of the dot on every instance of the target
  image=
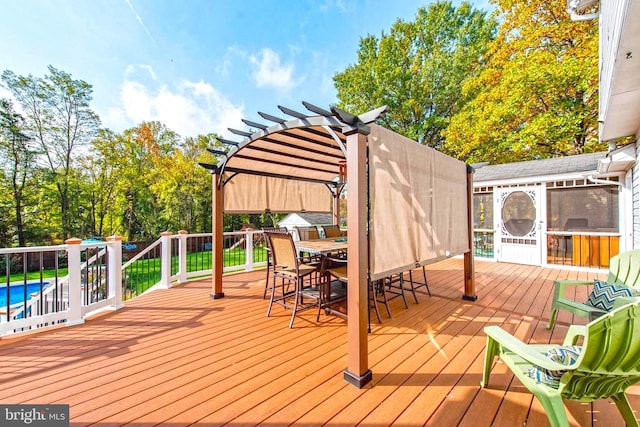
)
(97, 279)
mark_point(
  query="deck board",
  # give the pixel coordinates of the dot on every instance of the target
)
(177, 357)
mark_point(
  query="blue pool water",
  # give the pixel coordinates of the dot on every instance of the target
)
(17, 292)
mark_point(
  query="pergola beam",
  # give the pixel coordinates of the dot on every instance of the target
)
(276, 175)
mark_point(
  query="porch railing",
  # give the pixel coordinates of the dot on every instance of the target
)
(582, 249)
(579, 249)
(63, 284)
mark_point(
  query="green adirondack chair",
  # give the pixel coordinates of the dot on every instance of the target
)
(623, 268)
(608, 363)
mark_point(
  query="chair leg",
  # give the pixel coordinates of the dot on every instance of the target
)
(372, 297)
(411, 287)
(398, 290)
(415, 285)
(266, 283)
(555, 410)
(492, 350)
(625, 409)
(379, 284)
(552, 317)
(273, 292)
(297, 297)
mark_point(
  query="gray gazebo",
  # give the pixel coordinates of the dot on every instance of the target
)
(408, 205)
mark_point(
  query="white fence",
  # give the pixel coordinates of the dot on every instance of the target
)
(96, 278)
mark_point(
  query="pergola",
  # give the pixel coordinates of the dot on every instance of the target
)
(407, 204)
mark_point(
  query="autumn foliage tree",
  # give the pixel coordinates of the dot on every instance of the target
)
(418, 69)
(537, 97)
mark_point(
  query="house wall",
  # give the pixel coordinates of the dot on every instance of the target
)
(636, 198)
(291, 221)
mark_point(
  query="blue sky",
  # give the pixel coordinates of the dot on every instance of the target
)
(196, 65)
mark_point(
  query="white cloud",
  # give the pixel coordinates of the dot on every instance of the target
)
(340, 5)
(131, 69)
(269, 72)
(189, 108)
(6, 94)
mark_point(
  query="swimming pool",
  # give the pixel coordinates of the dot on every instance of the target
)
(17, 292)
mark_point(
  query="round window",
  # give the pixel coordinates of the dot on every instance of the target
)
(518, 213)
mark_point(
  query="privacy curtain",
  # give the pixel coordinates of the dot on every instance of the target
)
(255, 194)
(418, 204)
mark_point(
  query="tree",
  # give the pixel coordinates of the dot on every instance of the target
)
(58, 119)
(183, 190)
(537, 96)
(101, 175)
(17, 156)
(418, 69)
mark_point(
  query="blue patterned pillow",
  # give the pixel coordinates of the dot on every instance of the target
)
(604, 294)
(564, 355)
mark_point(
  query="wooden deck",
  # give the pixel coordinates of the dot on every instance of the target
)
(176, 357)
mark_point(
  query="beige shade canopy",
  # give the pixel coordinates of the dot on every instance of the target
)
(418, 204)
(418, 196)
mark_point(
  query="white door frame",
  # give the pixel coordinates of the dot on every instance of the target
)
(521, 241)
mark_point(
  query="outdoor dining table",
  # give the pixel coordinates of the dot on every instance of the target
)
(322, 246)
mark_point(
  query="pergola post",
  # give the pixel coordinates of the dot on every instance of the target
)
(216, 235)
(357, 372)
(469, 275)
(335, 193)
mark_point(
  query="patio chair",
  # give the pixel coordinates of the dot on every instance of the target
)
(336, 268)
(416, 284)
(603, 367)
(307, 233)
(394, 285)
(289, 268)
(624, 269)
(269, 257)
(333, 290)
(331, 231)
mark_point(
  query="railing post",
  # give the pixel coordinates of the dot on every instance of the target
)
(165, 259)
(114, 251)
(248, 239)
(182, 258)
(75, 279)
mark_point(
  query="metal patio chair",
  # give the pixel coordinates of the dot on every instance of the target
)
(269, 256)
(289, 268)
(331, 231)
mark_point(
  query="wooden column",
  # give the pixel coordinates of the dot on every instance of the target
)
(357, 372)
(216, 236)
(469, 274)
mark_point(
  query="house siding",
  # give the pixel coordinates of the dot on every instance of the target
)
(636, 199)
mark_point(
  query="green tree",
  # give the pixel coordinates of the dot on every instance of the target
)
(418, 69)
(59, 120)
(7, 220)
(17, 157)
(102, 166)
(537, 96)
(183, 188)
(143, 153)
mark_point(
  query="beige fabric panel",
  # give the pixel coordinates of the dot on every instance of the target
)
(255, 194)
(418, 206)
